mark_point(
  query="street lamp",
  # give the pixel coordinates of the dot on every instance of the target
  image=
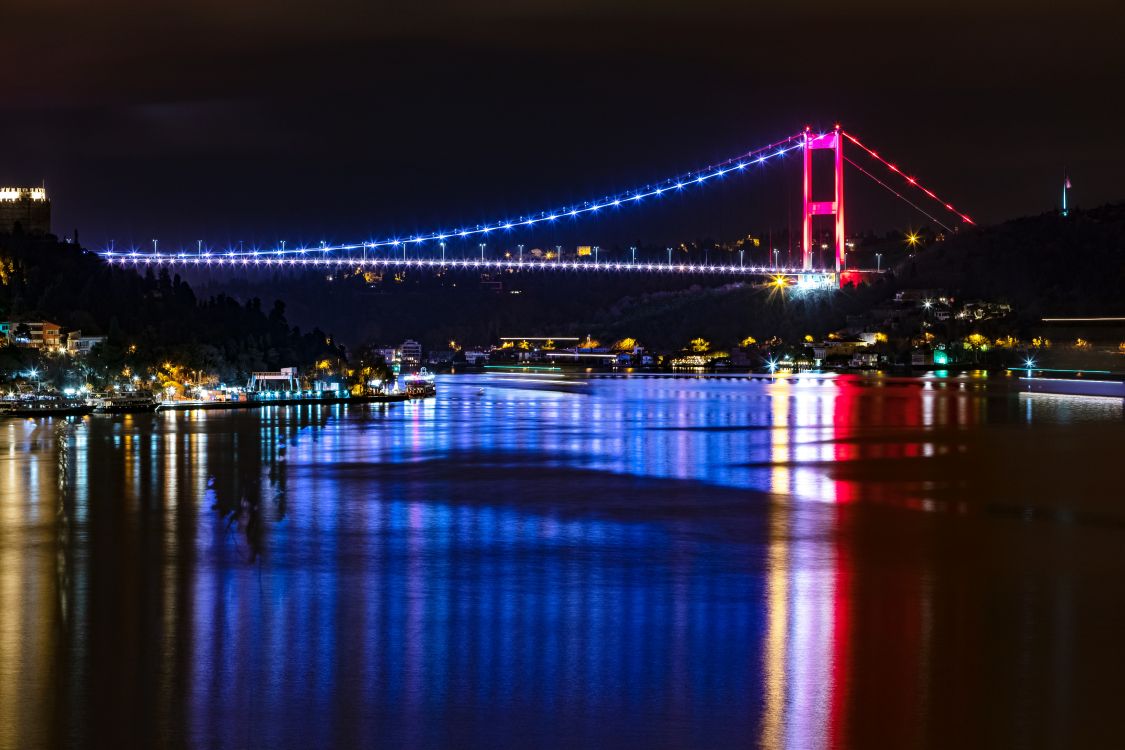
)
(521, 254)
(596, 248)
(482, 252)
(634, 249)
(442, 252)
(775, 254)
(878, 262)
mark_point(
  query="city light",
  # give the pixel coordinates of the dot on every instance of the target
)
(912, 239)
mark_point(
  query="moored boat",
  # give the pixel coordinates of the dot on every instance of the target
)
(126, 402)
(44, 407)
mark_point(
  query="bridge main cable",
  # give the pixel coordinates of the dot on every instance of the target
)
(758, 156)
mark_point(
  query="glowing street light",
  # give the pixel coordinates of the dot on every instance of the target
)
(913, 239)
(878, 261)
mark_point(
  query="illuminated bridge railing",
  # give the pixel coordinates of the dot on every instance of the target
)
(217, 262)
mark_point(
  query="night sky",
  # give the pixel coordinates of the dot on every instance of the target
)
(340, 120)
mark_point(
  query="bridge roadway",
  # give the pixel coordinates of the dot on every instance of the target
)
(219, 261)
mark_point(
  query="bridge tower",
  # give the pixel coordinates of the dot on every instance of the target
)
(834, 141)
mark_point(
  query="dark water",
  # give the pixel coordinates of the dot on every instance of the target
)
(621, 563)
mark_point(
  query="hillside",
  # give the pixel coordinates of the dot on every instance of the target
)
(1042, 265)
(149, 318)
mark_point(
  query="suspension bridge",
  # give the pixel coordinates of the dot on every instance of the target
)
(430, 248)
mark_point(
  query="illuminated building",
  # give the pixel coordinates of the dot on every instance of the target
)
(80, 345)
(35, 334)
(29, 208)
(410, 354)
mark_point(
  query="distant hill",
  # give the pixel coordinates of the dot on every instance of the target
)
(1042, 265)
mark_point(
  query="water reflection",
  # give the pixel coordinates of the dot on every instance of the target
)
(655, 562)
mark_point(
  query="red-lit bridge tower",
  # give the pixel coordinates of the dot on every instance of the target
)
(834, 141)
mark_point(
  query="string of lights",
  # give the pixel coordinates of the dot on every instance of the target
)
(910, 180)
(899, 195)
(361, 264)
(735, 164)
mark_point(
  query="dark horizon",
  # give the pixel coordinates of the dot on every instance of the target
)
(264, 123)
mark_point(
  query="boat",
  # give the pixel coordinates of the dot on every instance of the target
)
(126, 402)
(44, 407)
(420, 385)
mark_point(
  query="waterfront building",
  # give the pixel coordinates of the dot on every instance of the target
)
(410, 354)
(29, 208)
(476, 356)
(34, 334)
(79, 345)
(284, 380)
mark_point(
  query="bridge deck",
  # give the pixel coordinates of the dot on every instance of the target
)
(225, 261)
